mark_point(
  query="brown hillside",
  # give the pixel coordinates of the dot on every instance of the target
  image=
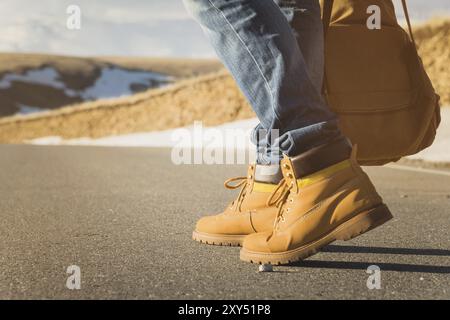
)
(214, 98)
(176, 67)
(79, 73)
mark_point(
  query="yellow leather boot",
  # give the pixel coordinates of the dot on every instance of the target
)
(337, 202)
(247, 214)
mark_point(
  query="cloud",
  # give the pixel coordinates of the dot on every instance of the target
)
(119, 15)
(112, 27)
(30, 32)
(118, 27)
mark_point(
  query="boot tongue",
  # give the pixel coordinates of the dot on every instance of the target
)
(268, 173)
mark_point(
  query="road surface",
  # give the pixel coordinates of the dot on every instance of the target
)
(125, 217)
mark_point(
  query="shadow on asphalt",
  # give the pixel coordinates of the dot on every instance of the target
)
(401, 267)
(383, 250)
(363, 266)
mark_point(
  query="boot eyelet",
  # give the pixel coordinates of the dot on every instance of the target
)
(283, 219)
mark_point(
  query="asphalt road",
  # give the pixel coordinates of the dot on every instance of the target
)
(125, 217)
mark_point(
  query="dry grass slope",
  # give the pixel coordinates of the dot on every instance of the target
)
(179, 68)
(433, 39)
(158, 109)
(80, 73)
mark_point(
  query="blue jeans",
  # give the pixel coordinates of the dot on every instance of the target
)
(279, 69)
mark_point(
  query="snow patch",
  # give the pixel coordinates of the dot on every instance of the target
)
(167, 138)
(23, 109)
(439, 151)
(46, 76)
(113, 82)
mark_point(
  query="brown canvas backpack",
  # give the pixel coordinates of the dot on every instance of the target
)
(376, 83)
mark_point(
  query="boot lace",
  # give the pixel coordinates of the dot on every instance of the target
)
(235, 183)
(278, 198)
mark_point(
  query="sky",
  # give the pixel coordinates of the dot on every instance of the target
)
(160, 28)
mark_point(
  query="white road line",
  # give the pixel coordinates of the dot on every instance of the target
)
(422, 170)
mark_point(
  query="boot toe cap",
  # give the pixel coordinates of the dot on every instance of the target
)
(208, 224)
(257, 242)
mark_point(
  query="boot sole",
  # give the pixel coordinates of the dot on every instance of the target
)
(361, 223)
(218, 239)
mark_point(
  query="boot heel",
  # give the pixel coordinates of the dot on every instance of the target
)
(363, 222)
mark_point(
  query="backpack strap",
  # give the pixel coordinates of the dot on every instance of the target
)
(326, 17)
(408, 21)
